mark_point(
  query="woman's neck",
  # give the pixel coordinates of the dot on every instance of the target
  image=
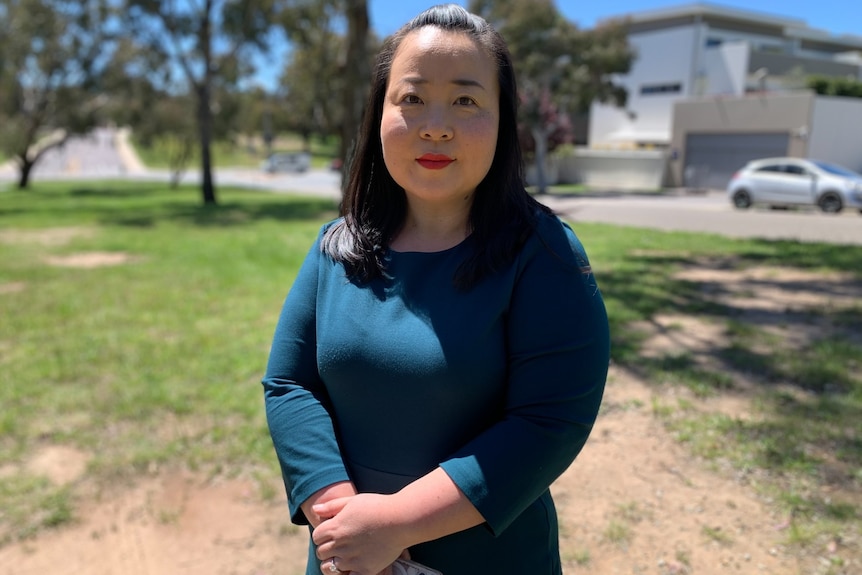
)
(432, 230)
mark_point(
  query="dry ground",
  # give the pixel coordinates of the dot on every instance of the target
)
(635, 501)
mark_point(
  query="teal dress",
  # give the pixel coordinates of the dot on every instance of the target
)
(381, 383)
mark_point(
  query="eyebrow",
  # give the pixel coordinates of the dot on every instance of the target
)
(457, 81)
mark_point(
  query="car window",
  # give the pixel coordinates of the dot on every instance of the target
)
(770, 168)
(837, 170)
(795, 170)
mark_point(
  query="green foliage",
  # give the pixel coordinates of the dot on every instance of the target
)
(307, 101)
(550, 52)
(836, 86)
(53, 54)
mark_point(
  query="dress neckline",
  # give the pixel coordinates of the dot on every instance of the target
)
(437, 252)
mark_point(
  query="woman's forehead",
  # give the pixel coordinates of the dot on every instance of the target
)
(431, 44)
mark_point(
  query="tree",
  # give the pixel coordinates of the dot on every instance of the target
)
(312, 75)
(356, 76)
(835, 86)
(335, 66)
(207, 41)
(561, 69)
(51, 54)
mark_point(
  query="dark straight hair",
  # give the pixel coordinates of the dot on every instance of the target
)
(374, 206)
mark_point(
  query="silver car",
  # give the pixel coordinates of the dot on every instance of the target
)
(781, 182)
(287, 162)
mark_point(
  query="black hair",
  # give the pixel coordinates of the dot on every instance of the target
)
(374, 206)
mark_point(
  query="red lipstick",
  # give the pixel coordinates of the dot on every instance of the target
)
(434, 161)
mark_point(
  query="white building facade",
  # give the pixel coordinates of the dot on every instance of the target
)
(708, 52)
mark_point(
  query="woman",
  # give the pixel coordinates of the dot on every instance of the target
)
(441, 356)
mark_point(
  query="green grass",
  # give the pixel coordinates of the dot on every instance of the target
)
(156, 362)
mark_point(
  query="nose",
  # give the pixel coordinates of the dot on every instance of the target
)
(437, 126)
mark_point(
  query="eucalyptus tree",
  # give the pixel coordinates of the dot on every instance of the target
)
(203, 47)
(333, 52)
(356, 75)
(52, 53)
(561, 68)
(308, 98)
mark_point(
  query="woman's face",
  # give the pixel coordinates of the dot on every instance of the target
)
(441, 114)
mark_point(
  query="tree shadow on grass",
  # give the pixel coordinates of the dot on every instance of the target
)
(800, 360)
(146, 204)
(226, 214)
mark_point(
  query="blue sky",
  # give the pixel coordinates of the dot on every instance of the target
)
(835, 16)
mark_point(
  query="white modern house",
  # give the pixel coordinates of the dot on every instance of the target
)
(709, 90)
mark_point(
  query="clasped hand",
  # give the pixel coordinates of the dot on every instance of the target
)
(362, 532)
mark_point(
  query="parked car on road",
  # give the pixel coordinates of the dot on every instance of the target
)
(782, 182)
(287, 162)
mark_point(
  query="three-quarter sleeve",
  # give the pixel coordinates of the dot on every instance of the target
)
(558, 347)
(297, 405)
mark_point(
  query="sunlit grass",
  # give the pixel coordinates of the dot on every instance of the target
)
(155, 362)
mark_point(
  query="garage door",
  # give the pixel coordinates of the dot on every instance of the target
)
(711, 159)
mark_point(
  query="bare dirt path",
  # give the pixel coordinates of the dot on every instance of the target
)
(634, 502)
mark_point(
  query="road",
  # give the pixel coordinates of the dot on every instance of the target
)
(106, 154)
(712, 213)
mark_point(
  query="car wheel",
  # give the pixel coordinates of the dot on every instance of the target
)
(742, 199)
(831, 203)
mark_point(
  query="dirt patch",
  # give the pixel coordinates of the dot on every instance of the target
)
(55, 237)
(774, 288)
(636, 502)
(172, 524)
(12, 287)
(91, 259)
(45, 237)
(60, 464)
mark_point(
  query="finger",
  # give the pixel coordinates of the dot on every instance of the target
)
(330, 509)
(324, 546)
(331, 567)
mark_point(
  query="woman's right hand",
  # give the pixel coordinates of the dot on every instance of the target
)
(328, 493)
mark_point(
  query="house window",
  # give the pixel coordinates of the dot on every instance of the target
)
(713, 42)
(653, 89)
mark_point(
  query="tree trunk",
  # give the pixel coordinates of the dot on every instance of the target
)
(205, 115)
(205, 126)
(540, 135)
(356, 75)
(24, 175)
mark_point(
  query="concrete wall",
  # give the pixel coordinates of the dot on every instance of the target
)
(663, 57)
(724, 68)
(783, 112)
(835, 134)
(613, 169)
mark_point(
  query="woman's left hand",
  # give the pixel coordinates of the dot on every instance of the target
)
(362, 532)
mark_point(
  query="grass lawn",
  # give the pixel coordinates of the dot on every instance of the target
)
(155, 361)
